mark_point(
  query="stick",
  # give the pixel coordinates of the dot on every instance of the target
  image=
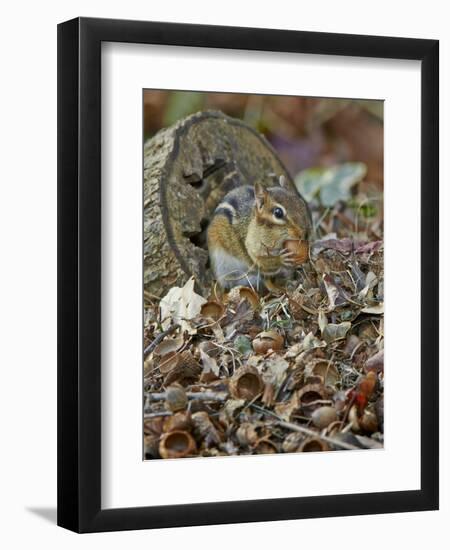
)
(201, 396)
(157, 414)
(159, 339)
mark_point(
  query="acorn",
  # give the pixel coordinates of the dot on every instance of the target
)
(323, 417)
(299, 248)
(268, 340)
(246, 383)
(368, 422)
(313, 445)
(177, 444)
(353, 419)
(176, 398)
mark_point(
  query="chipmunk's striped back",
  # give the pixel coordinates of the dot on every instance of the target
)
(248, 229)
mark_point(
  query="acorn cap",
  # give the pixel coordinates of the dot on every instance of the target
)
(246, 383)
(213, 310)
(313, 445)
(308, 395)
(177, 444)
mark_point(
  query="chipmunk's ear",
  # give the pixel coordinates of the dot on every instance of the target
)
(260, 196)
(284, 183)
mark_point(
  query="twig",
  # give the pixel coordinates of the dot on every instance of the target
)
(156, 414)
(201, 396)
(307, 431)
(159, 339)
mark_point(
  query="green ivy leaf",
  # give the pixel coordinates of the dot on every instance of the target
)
(242, 344)
(333, 184)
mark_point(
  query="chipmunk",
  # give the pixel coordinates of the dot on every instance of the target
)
(248, 233)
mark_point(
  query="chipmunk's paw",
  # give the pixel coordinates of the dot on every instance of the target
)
(287, 258)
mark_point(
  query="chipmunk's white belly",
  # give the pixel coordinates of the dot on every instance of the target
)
(231, 271)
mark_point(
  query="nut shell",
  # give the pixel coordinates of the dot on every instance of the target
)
(299, 248)
(176, 398)
(308, 395)
(323, 417)
(368, 422)
(313, 445)
(177, 444)
(269, 340)
(246, 383)
(213, 310)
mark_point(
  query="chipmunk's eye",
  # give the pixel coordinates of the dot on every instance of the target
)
(278, 213)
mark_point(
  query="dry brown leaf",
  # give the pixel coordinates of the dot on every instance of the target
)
(180, 305)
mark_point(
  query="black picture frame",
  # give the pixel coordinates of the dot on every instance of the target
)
(79, 274)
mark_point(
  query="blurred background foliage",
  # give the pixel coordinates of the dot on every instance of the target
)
(333, 148)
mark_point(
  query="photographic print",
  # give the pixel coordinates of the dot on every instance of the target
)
(263, 274)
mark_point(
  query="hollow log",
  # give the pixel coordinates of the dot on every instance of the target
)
(188, 168)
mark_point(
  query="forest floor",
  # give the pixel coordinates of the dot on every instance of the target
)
(300, 370)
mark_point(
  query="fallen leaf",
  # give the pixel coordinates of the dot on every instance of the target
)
(179, 305)
(276, 370)
(336, 296)
(371, 247)
(332, 183)
(242, 344)
(168, 345)
(377, 309)
(334, 332)
(210, 367)
(322, 320)
(311, 342)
